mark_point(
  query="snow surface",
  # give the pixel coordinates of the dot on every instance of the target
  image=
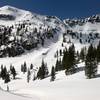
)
(72, 87)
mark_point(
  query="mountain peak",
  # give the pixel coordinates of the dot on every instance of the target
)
(9, 8)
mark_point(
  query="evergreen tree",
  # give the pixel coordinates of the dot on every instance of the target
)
(39, 73)
(31, 66)
(65, 58)
(56, 54)
(43, 71)
(70, 61)
(91, 63)
(98, 53)
(7, 78)
(58, 66)
(28, 75)
(3, 73)
(60, 52)
(77, 57)
(64, 39)
(11, 67)
(24, 67)
(13, 72)
(52, 74)
(83, 54)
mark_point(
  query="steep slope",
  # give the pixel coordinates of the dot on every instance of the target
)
(27, 16)
(22, 30)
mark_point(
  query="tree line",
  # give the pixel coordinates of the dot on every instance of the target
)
(68, 61)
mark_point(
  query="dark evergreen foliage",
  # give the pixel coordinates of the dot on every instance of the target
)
(69, 60)
(58, 66)
(98, 52)
(13, 72)
(28, 75)
(7, 78)
(91, 63)
(43, 71)
(53, 74)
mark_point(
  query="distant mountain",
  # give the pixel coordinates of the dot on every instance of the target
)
(22, 30)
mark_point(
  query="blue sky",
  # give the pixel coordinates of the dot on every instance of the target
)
(60, 8)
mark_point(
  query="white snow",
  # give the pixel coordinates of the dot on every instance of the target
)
(72, 87)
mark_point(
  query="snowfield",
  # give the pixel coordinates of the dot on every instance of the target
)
(72, 87)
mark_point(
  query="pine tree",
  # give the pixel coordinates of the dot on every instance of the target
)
(31, 66)
(13, 72)
(64, 39)
(39, 73)
(11, 67)
(24, 67)
(91, 63)
(58, 66)
(98, 53)
(77, 57)
(3, 73)
(70, 62)
(83, 54)
(60, 52)
(52, 74)
(57, 54)
(43, 71)
(7, 78)
(28, 75)
(65, 58)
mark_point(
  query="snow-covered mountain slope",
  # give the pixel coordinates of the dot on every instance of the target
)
(27, 16)
(25, 30)
(85, 25)
(29, 21)
(31, 38)
(28, 30)
(72, 87)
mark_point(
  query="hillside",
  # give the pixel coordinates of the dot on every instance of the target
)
(27, 39)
